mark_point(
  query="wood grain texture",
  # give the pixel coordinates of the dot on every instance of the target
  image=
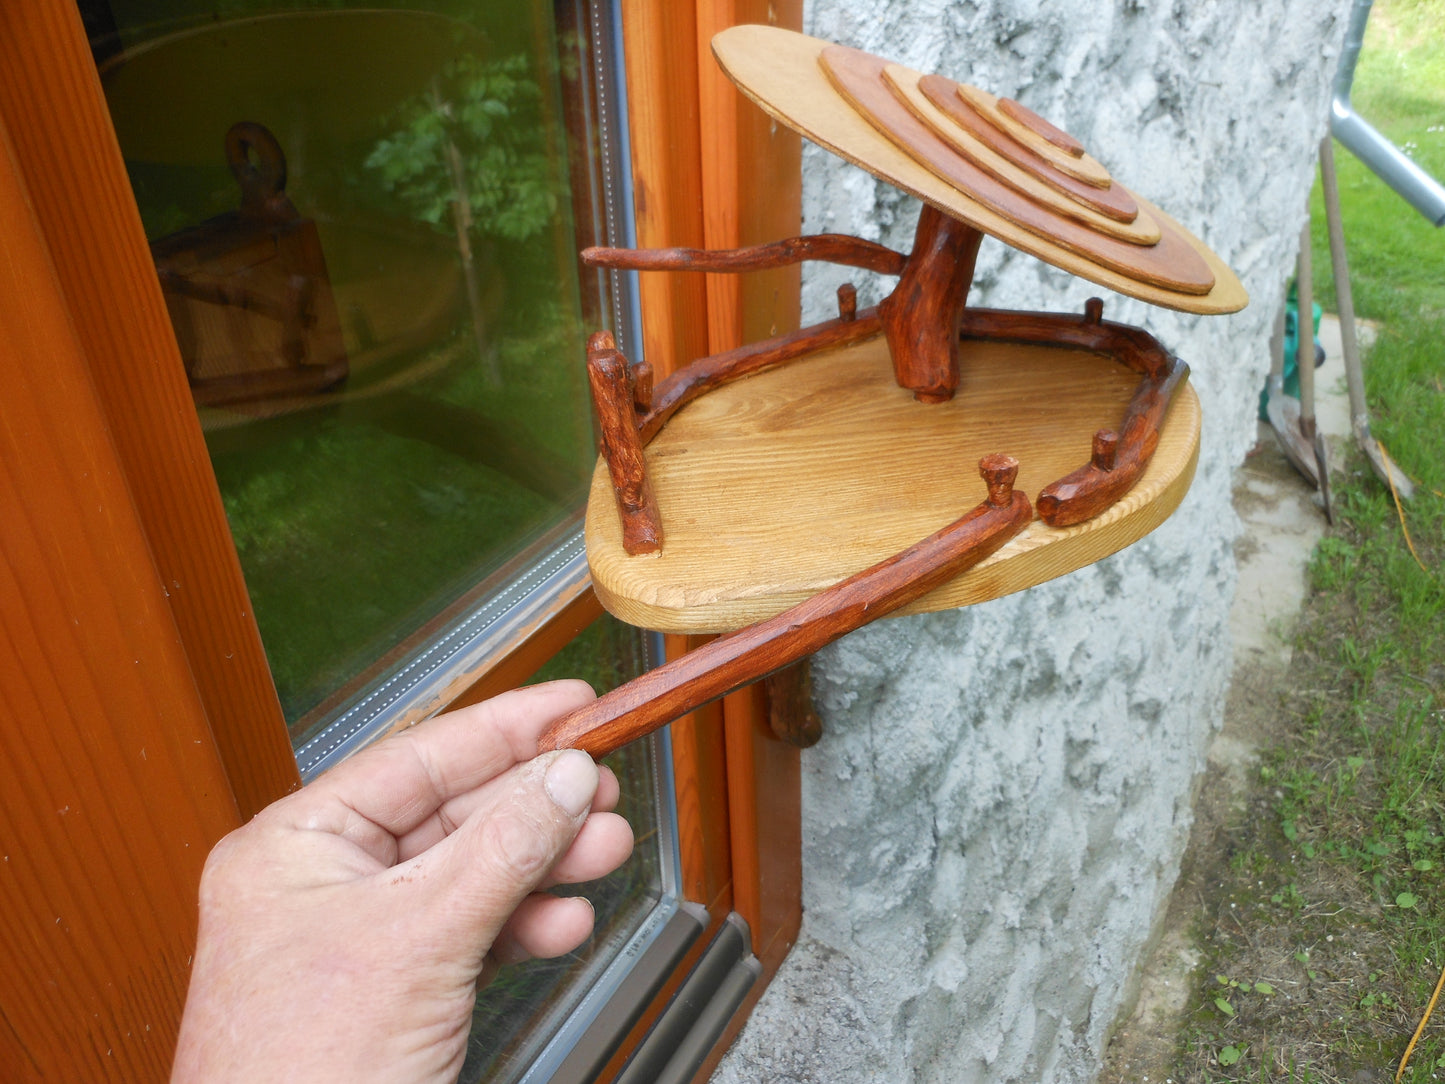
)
(1081, 166)
(1039, 126)
(779, 71)
(708, 373)
(1172, 264)
(881, 470)
(51, 101)
(112, 789)
(974, 111)
(647, 702)
(1032, 176)
(921, 315)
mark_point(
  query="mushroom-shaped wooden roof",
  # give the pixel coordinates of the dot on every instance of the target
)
(987, 161)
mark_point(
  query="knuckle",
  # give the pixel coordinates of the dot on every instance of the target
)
(521, 845)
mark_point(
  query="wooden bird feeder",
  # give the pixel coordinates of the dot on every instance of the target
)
(787, 508)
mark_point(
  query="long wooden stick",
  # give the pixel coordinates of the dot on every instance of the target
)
(829, 247)
(716, 669)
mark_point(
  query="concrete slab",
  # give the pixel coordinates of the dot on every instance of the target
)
(1282, 518)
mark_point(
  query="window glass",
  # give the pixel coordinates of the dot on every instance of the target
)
(524, 1005)
(365, 218)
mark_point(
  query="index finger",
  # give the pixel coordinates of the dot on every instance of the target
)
(399, 783)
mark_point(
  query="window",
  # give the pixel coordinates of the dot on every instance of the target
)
(729, 776)
(365, 223)
(365, 219)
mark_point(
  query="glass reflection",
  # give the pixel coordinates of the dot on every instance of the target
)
(363, 228)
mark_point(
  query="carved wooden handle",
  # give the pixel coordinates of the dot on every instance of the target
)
(730, 662)
(828, 247)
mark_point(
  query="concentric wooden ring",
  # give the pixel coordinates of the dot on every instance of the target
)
(1061, 193)
(1037, 206)
(858, 77)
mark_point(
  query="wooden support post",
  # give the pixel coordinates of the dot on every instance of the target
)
(614, 396)
(921, 316)
(791, 714)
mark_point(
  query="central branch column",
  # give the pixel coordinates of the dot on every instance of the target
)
(921, 315)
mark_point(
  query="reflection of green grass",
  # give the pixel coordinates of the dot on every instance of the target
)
(352, 535)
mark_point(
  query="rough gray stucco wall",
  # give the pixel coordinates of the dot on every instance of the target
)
(996, 812)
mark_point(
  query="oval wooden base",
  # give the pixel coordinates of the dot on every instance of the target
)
(784, 483)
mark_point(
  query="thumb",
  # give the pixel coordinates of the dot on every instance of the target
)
(506, 848)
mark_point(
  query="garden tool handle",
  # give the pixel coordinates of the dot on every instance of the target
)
(648, 702)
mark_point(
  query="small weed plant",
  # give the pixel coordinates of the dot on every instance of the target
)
(1326, 935)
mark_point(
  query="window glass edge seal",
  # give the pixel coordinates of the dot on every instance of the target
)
(481, 632)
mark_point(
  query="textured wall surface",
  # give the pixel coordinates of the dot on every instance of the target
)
(997, 809)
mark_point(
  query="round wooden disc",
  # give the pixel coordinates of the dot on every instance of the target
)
(779, 70)
(1140, 229)
(779, 485)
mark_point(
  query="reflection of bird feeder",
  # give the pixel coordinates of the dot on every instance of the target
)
(772, 492)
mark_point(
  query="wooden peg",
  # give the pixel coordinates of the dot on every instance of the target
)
(847, 302)
(612, 395)
(1106, 449)
(999, 473)
(791, 713)
(1094, 311)
(639, 377)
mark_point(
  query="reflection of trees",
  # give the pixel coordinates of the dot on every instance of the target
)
(472, 149)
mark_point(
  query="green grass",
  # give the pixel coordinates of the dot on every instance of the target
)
(1334, 894)
(1396, 258)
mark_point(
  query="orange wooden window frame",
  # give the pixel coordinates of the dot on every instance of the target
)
(138, 722)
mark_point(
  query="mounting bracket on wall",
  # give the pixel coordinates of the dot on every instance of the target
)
(748, 506)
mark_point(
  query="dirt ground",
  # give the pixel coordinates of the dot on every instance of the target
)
(1281, 524)
(1146, 1046)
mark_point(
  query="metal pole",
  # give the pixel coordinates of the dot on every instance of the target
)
(1384, 159)
(1304, 360)
(1354, 371)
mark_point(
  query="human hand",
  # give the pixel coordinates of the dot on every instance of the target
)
(345, 930)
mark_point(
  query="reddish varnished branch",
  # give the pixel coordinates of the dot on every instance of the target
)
(828, 247)
(659, 696)
(921, 316)
(705, 374)
(1131, 346)
(614, 395)
(1118, 460)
